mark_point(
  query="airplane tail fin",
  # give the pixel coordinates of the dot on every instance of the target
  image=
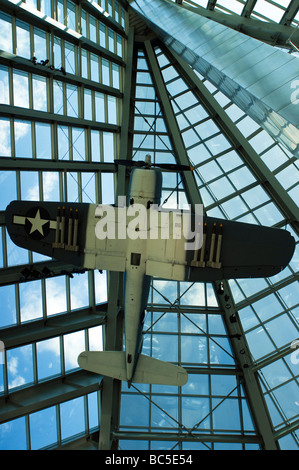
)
(149, 370)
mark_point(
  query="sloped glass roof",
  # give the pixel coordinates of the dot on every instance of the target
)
(60, 134)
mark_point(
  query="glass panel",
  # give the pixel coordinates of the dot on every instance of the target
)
(48, 358)
(6, 33)
(40, 44)
(55, 296)
(43, 140)
(8, 306)
(69, 58)
(5, 146)
(21, 89)
(72, 100)
(8, 188)
(23, 40)
(31, 300)
(13, 435)
(39, 85)
(72, 417)
(43, 428)
(78, 136)
(74, 344)
(4, 87)
(20, 366)
(23, 139)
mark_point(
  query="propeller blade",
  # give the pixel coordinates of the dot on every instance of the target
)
(173, 167)
(125, 162)
(164, 166)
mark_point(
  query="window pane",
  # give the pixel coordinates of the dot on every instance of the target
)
(39, 85)
(48, 358)
(20, 366)
(4, 87)
(72, 417)
(31, 301)
(5, 147)
(21, 89)
(43, 428)
(23, 139)
(63, 143)
(70, 58)
(40, 44)
(23, 40)
(72, 100)
(13, 435)
(78, 144)
(43, 140)
(6, 33)
(74, 344)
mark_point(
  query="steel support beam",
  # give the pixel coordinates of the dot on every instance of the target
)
(248, 7)
(46, 394)
(57, 325)
(26, 164)
(251, 383)
(113, 338)
(113, 341)
(40, 270)
(172, 126)
(191, 437)
(40, 116)
(290, 13)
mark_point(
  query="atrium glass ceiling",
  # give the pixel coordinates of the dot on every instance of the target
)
(59, 136)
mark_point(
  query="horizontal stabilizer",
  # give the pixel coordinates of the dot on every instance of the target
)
(153, 371)
(149, 370)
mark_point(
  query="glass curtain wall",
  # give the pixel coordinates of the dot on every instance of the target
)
(61, 79)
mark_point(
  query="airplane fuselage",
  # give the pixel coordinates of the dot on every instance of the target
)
(145, 189)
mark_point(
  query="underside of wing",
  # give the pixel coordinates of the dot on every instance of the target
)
(65, 231)
(223, 250)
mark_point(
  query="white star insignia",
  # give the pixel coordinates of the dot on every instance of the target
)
(37, 223)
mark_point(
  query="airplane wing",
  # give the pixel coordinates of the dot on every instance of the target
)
(65, 231)
(227, 250)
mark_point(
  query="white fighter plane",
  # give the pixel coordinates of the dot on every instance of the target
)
(152, 244)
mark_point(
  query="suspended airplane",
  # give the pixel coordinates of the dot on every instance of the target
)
(112, 238)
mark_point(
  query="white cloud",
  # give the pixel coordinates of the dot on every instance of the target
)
(50, 184)
(21, 90)
(13, 365)
(56, 296)
(5, 149)
(21, 129)
(15, 380)
(31, 301)
(74, 344)
(6, 37)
